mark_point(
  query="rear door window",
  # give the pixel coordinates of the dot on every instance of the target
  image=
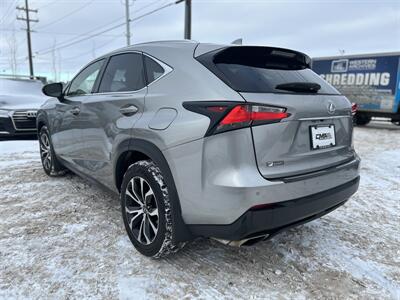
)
(124, 72)
(263, 69)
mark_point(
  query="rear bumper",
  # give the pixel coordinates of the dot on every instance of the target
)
(218, 181)
(276, 217)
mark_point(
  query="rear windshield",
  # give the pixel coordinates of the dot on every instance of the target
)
(262, 69)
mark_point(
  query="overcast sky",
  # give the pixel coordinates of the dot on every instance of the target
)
(318, 28)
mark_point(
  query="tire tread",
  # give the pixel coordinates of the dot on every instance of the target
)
(168, 246)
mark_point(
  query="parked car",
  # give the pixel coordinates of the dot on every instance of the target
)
(19, 101)
(235, 143)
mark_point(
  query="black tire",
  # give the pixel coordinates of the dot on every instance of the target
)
(396, 122)
(156, 243)
(361, 120)
(51, 165)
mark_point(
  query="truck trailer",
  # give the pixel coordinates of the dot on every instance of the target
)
(370, 80)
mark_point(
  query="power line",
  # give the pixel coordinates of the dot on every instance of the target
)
(128, 20)
(67, 15)
(87, 52)
(8, 11)
(48, 4)
(93, 30)
(83, 34)
(62, 33)
(153, 11)
(64, 45)
(147, 5)
(80, 40)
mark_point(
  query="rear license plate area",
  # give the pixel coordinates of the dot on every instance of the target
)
(322, 136)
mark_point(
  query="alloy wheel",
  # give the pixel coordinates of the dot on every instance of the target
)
(141, 210)
(45, 151)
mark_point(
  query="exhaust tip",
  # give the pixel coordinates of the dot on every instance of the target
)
(244, 242)
(253, 241)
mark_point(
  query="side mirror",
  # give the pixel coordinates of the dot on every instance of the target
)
(54, 90)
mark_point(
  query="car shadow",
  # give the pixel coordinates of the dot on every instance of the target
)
(19, 138)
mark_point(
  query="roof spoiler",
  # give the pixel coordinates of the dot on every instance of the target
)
(249, 54)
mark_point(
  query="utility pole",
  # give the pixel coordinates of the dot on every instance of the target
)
(28, 32)
(128, 20)
(188, 19)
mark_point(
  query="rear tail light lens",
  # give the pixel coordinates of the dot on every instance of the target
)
(250, 114)
(229, 115)
(354, 108)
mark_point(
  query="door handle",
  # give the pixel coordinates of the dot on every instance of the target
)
(128, 110)
(75, 111)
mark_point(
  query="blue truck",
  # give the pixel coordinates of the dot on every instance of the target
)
(370, 80)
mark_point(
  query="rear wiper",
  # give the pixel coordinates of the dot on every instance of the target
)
(299, 87)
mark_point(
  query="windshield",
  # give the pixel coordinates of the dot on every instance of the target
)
(15, 86)
(265, 70)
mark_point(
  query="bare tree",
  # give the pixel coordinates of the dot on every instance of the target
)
(93, 49)
(54, 61)
(59, 65)
(13, 49)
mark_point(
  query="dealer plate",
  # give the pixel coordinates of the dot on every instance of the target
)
(322, 136)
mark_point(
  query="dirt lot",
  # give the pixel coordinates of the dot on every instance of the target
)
(63, 238)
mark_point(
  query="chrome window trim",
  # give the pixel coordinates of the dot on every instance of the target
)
(323, 118)
(108, 60)
(118, 93)
(167, 69)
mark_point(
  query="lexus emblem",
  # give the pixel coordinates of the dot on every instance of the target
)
(331, 108)
(31, 114)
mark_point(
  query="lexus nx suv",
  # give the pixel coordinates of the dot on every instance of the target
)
(19, 101)
(235, 143)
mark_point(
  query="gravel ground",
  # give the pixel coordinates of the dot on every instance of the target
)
(63, 238)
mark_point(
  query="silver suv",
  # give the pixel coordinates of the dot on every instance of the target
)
(235, 143)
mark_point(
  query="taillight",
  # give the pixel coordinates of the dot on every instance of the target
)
(229, 115)
(354, 108)
(251, 114)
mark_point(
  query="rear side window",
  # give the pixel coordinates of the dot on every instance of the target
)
(153, 69)
(263, 69)
(124, 72)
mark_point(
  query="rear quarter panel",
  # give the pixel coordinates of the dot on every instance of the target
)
(188, 81)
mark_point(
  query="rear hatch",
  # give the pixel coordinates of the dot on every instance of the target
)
(317, 134)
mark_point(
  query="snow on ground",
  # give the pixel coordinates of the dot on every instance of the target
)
(63, 238)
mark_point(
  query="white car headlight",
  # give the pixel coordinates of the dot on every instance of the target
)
(4, 113)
